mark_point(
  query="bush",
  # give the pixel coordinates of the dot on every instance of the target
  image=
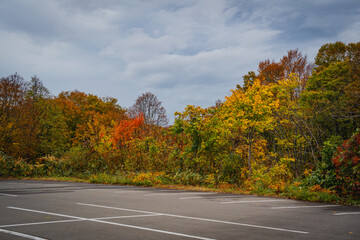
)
(314, 193)
(147, 179)
(188, 178)
(6, 164)
(52, 166)
(234, 170)
(347, 167)
(14, 167)
(82, 160)
(324, 174)
(271, 180)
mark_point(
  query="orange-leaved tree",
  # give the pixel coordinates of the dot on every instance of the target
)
(272, 72)
(126, 130)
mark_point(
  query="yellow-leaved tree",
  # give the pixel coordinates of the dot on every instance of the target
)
(249, 112)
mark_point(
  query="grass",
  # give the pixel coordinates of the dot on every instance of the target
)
(195, 182)
(292, 191)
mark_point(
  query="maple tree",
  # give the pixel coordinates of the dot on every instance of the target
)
(126, 130)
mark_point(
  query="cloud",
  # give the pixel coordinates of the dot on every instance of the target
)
(185, 52)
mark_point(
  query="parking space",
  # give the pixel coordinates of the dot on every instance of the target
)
(58, 210)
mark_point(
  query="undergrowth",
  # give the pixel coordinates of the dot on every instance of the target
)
(51, 169)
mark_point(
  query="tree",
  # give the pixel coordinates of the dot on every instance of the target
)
(250, 113)
(12, 100)
(292, 137)
(125, 130)
(36, 90)
(295, 63)
(53, 137)
(272, 72)
(330, 53)
(34, 111)
(46, 122)
(206, 139)
(87, 115)
(332, 92)
(352, 90)
(149, 106)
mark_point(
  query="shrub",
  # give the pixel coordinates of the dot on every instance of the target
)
(14, 167)
(234, 170)
(188, 178)
(148, 179)
(347, 167)
(324, 174)
(315, 193)
(274, 179)
(82, 160)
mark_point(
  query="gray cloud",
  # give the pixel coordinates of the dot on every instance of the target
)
(185, 52)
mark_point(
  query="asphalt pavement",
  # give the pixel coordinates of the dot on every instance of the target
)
(60, 210)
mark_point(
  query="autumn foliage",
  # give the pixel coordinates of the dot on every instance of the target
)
(126, 130)
(292, 125)
(347, 166)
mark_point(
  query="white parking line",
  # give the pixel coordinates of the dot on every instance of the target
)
(142, 190)
(75, 220)
(347, 213)
(184, 198)
(130, 191)
(199, 219)
(112, 223)
(8, 195)
(40, 223)
(116, 208)
(21, 235)
(152, 230)
(316, 206)
(255, 201)
(131, 216)
(54, 214)
(176, 193)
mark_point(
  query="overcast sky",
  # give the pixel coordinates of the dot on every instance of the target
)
(185, 52)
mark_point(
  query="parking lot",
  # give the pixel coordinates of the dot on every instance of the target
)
(59, 210)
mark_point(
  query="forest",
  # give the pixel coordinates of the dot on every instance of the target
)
(292, 129)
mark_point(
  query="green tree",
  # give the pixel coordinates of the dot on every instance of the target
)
(206, 141)
(52, 138)
(34, 111)
(332, 91)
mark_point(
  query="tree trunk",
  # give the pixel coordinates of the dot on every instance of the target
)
(249, 152)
